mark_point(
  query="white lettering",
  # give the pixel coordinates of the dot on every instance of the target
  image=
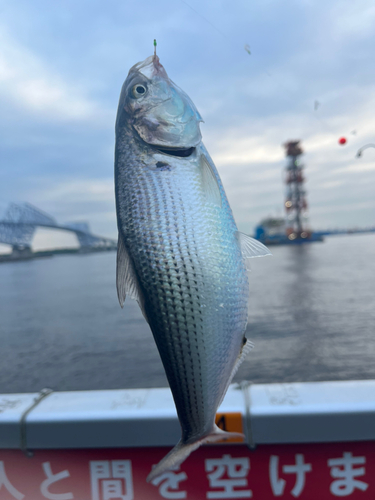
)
(53, 478)
(343, 468)
(236, 469)
(111, 480)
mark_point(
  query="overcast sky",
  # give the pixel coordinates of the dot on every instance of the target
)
(62, 64)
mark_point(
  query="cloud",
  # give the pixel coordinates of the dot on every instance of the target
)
(352, 19)
(62, 66)
(251, 163)
(28, 82)
(76, 199)
(82, 190)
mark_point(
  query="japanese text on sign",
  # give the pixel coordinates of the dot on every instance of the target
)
(213, 472)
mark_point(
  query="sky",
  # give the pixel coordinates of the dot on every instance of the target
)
(62, 65)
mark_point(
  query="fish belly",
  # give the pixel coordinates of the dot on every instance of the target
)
(193, 281)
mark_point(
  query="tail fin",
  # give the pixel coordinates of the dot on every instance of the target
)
(182, 450)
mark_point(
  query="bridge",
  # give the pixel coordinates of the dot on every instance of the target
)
(20, 221)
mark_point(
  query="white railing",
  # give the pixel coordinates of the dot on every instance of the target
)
(271, 413)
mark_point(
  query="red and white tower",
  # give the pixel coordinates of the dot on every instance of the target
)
(295, 202)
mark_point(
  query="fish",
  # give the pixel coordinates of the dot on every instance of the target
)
(180, 254)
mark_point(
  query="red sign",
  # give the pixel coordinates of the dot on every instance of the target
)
(305, 471)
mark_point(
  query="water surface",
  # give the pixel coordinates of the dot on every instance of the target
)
(312, 317)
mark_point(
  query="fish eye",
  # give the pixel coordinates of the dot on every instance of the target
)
(139, 90)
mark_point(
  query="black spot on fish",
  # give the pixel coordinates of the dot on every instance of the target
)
(161, 165)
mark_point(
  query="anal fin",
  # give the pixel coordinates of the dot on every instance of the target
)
(246, 348)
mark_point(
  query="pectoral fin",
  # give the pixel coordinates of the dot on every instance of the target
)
(126, 278)
(209, 182)
(250, 247)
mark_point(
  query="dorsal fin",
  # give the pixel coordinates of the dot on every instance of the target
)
(126, 278)
(209, 182)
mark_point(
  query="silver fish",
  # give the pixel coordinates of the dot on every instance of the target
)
(180, 254)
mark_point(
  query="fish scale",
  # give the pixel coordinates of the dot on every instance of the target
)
(162, 209)
(158, 300)
(180, 254)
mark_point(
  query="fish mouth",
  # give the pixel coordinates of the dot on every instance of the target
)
(180, 152)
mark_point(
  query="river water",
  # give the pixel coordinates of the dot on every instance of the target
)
(312, 317)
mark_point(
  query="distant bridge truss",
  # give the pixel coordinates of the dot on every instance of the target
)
(20, 221)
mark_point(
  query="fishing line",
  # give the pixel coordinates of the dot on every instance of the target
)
(207, 21)
(287, 92)
(330, 129)
(246, 47)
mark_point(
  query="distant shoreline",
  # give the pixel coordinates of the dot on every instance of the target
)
(28, 255)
